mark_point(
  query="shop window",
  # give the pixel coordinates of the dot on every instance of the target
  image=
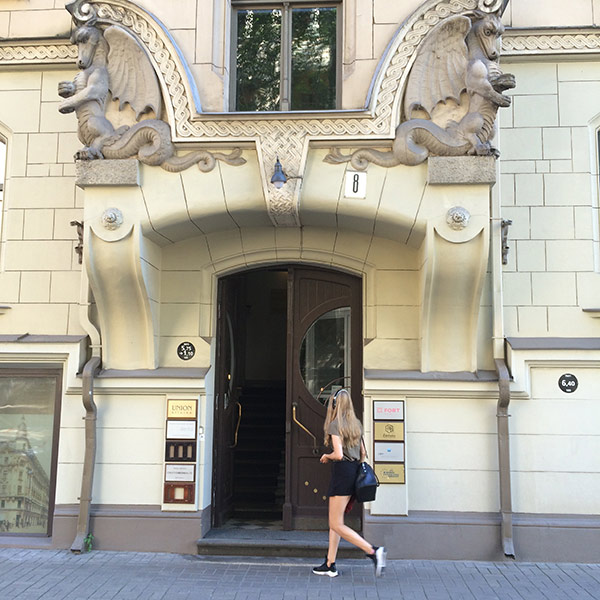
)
(29, 409)
(286, 56)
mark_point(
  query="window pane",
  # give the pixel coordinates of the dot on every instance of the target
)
(325, 354)
(258, 59)
(313, 58)
(26, 435)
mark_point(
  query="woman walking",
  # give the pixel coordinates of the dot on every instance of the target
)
(343, 433)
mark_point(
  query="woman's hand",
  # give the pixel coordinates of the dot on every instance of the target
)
(324, 459)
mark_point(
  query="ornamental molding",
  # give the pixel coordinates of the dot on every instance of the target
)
(555, 41)
(38, 52)
(288, 135)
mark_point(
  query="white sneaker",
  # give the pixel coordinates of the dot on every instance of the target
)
(378, 559)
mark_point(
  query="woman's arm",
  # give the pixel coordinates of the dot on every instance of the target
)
(337, 453)
(363, 450)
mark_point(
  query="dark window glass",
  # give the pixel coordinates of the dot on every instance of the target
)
(258, 60)
(313, 58)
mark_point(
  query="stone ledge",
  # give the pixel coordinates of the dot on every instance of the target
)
(461, 169)
(91, 173)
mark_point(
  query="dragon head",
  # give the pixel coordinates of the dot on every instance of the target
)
(87, 38)
(488, 30)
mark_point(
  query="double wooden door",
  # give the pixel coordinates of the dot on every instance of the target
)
(324, 352)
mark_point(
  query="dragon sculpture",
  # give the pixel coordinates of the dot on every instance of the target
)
(113, 63)
(452, 95)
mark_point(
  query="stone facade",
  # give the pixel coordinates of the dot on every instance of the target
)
(438, 308)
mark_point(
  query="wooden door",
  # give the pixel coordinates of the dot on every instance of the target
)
(324, 353)
(227, 384)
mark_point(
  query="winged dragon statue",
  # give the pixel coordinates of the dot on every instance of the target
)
(113, 64)
(452, 95)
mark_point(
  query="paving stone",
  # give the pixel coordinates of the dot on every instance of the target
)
(60, 575)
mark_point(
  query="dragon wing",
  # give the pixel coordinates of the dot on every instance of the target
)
(439, 70)
(132, 77)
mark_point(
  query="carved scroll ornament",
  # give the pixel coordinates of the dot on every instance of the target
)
(452, 94)
(111, 61)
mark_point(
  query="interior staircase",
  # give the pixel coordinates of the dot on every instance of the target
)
(259, 461)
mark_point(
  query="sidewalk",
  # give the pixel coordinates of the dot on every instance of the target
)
(100, 575)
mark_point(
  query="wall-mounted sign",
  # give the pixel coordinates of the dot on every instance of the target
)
(356, 184)
(180, 472)
(568, 383)
(180, 451)
(388, 411)
(181, 430)
(181, 409)
(186, 350)
(389, 431)
(389, 452)
(389, 472)
(179, 493)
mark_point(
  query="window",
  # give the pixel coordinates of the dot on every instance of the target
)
(286, 56)
(29, 405)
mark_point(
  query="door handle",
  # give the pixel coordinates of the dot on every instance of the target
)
(295, 419)
(237, 427)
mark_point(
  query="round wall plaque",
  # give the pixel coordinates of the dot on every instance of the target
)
(186, 350)
(568, 383)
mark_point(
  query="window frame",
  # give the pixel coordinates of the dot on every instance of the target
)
(7, 371)
(285, 79)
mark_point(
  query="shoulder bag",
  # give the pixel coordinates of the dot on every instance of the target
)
(366, 483)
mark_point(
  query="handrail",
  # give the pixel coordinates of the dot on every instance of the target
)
(237, 427)
(294, 406)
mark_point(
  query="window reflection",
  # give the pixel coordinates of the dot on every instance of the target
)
(26, 436)
(325, 354)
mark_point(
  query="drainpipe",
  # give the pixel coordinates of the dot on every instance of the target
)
(92, 366)
(503, 377)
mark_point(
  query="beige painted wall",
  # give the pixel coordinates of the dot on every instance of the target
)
(549, 190)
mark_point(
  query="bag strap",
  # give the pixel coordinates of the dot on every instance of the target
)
(362, 439)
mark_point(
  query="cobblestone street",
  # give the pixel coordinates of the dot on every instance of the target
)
(101, 575)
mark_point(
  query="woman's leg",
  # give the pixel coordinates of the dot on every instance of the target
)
(334, 542)
(337, 505)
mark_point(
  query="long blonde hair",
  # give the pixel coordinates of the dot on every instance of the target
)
(340, 407)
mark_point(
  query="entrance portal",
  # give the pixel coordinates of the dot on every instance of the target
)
(287, 338)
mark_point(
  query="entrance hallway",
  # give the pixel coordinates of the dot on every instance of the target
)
(60, 575)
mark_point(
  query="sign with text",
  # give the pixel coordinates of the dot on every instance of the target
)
(389, 452)
(389, 431)
(182, 409)
(389, 472)
(180, 472)
(384, 410)
(181, 430)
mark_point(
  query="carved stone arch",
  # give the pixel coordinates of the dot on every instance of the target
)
(181, 98)
(387, 88)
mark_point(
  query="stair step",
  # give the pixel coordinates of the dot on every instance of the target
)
(269, 542)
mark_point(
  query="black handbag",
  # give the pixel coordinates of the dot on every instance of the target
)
(366, 483)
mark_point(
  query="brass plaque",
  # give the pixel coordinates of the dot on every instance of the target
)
(389, 472)
(389, 431)
(182, 409)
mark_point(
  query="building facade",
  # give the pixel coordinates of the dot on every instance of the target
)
(270, 201)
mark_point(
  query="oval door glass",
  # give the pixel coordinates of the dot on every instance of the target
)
(325, 354)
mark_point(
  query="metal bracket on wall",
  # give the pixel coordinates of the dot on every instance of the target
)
(506, 223)
(79, 247)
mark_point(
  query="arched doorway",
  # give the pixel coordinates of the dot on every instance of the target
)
(286, 338)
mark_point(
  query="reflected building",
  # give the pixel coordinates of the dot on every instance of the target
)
(24, 486)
